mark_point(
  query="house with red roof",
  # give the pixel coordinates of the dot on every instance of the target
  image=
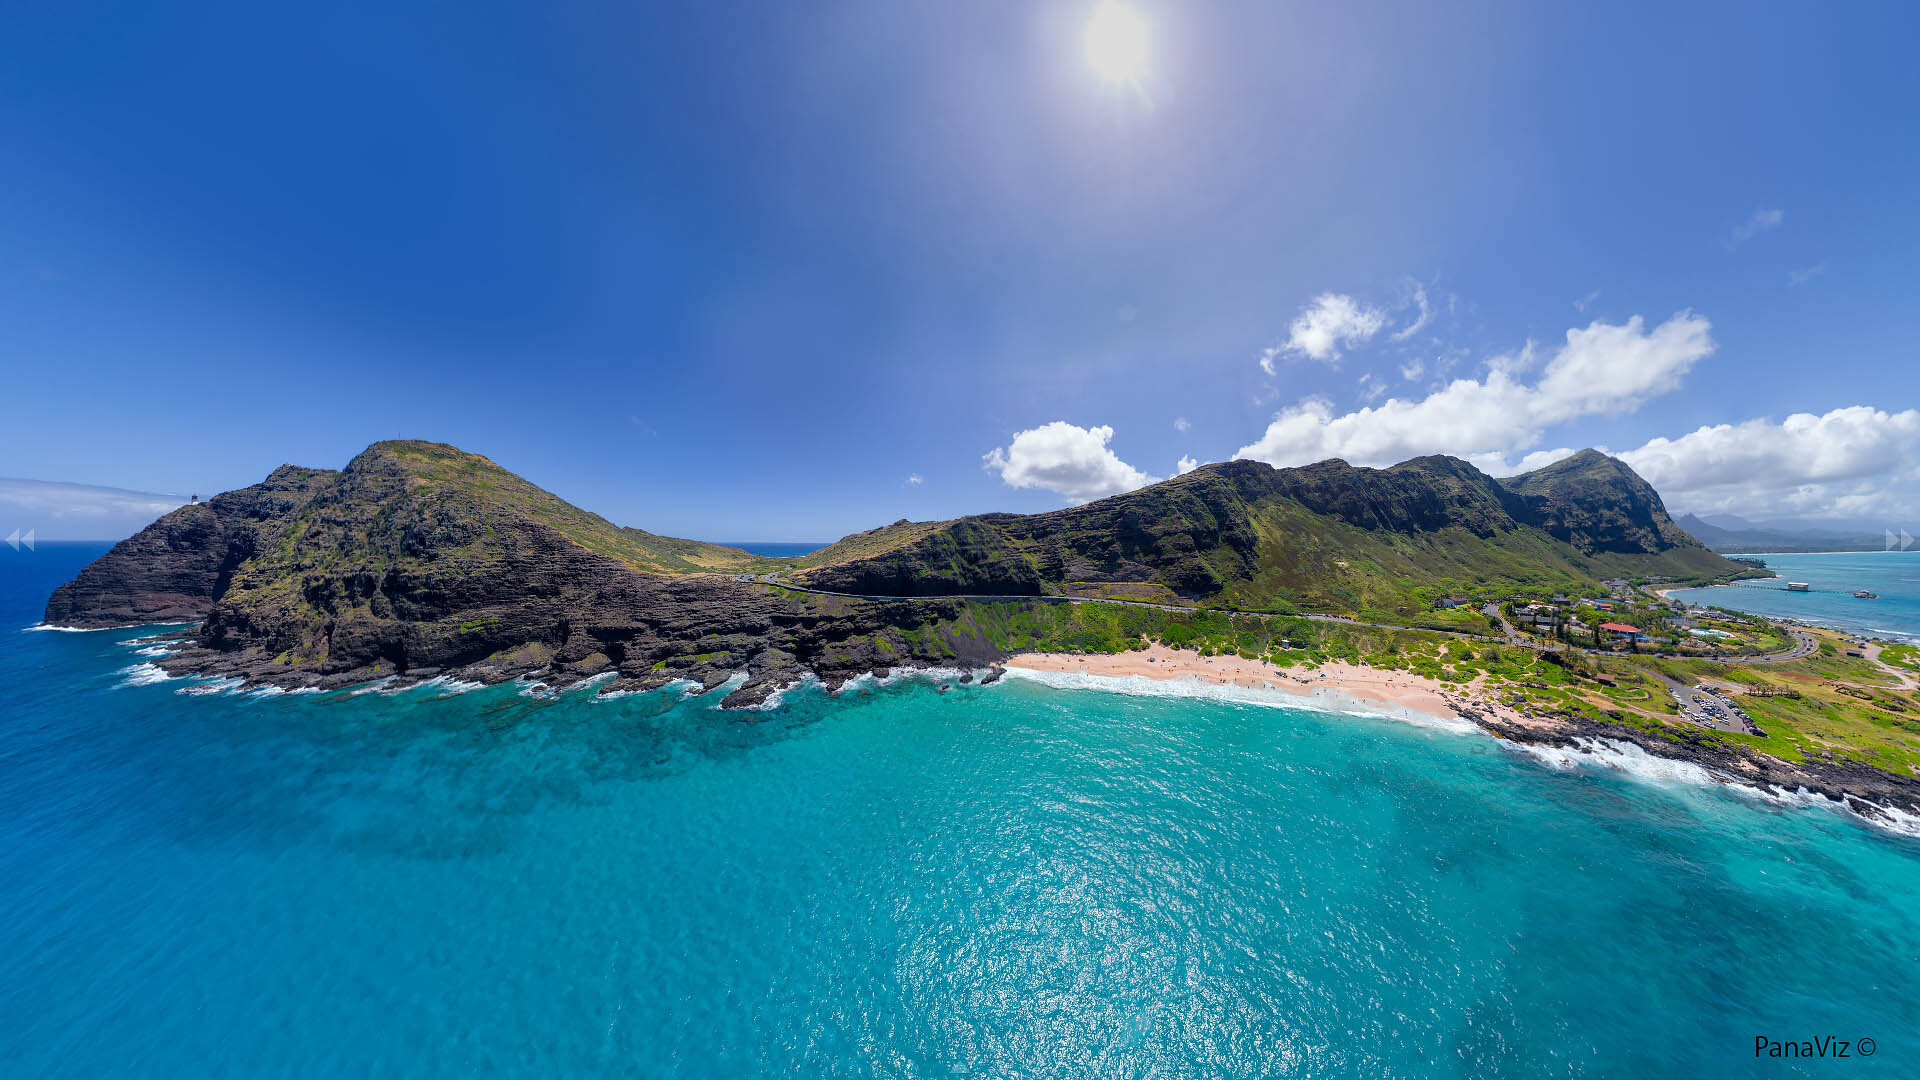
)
(1626, 632)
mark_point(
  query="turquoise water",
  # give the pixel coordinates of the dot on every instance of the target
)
(1011, 881)
(1833, 578)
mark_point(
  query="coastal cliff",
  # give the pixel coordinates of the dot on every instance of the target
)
(1321, 537)
(419, 559)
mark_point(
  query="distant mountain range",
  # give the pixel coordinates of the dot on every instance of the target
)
(1729, 534)
(420, 559)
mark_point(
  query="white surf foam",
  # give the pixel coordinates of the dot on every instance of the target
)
(1320, 699)
(446, 683)
(590, 682)
(684, 688)
(719, 693)
(214, 686)
(1629, 759)
(1893, 819)
(779, 694)
(145, 675)
(1619, 756)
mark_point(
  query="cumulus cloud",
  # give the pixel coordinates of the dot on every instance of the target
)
(1180, 423)
(1331, 322)
(59, 511)
(914, 480)
(1760, 222)
(1500, 465)
(1186, 464)
(1849, 462)
(1603, 369)
(1063, 458)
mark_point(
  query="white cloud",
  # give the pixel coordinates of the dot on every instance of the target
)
(1848, 462)
(1073, 461)
(1760, 222)
(1498, 465)
(1413, 369)
(1180, 423)
(1371, 388)
(1421, 320)
(1801, 277)
(1585, 302)
(914, 480)
(59, 511)
(1186, 464)
(1331, 322)
(1601, 370)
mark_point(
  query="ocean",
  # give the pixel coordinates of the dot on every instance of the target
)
(1021, 880)
(1833, 578)
(776, 549)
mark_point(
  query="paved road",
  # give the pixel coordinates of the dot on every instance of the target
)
(1803, 646)
(1492, 611)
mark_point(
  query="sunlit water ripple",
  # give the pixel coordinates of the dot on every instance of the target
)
(1016, 880)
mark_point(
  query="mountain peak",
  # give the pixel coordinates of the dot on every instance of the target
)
(1598, 503)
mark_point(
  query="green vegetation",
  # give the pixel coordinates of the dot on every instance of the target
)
(1830, 706)
(448, 475)
(1901, 656)
(873, 542)
(1381, 545)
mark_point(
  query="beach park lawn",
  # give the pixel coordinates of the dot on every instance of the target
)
(1829, 705)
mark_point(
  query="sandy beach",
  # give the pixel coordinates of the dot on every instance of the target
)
(1396, 690)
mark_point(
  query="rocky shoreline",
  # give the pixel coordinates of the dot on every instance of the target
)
(1868, 792)
(190, 657)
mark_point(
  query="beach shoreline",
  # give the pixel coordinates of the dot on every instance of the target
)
(1357, 683)
(1883, 798)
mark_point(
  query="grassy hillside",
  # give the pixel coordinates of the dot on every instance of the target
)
(873, 542)
(1326, 537)
(444, 473)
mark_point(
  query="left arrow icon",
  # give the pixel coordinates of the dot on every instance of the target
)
(13, 540)
(28, 539)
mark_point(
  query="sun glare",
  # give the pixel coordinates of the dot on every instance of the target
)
(1116, 43)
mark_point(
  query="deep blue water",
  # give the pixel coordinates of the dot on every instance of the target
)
(1833, 578)
(777, 549)
(1007, 881)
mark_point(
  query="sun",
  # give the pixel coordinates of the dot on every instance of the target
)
(1116, 43)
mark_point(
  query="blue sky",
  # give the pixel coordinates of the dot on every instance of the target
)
(786, 271)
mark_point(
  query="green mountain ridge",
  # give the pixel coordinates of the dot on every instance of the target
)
(1322, 537)
(418, 558)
